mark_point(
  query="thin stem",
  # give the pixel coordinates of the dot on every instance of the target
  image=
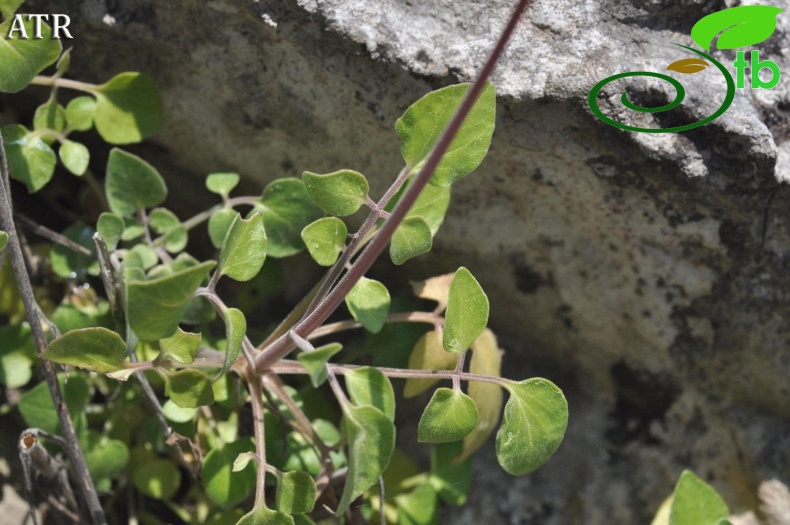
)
(219, 306)
(338, 391)
(409, 317)
(35, 319)
(64, 83)
(256, 399)
(459, 369)
(46, 233)
(315, 317)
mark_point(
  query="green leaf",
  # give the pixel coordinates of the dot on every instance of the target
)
(66, 262)
(419, 507)
(105, 457)
(223, 486)
(49, 115)
(368, 386)
(110, 227)
(3, 240)
(486, 360)
(302, 519)
(410, 239)
(79, 113)
(9, 7)
(431, 205)
(235, 330)
(189, 388)
(427, 354)
(371, 439)
(153, 476)
(37, 408)
(339, 193)
(178, 414)
(30, 159)
(696, 502)
(128, 108)
(325, 239)
(740, 27)
(369, 303)
(96, 349)
(132, 183)
(287, 209)
(219, 224)
(155, 307)
(421, 126)
(146, 256)
(222, 183)
(315, 362)
(467, 312)
(264, 516)
(450, 415)
(132, 229)
(21, 59)
(244, 248)
(244, 459)
(451, 478)
(74, 156)
(17, 355)
(164, 222)
(533, 425)
(181, 347)
(295, 492)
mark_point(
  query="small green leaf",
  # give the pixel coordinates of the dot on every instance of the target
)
(128, 108)
(79, 113)
(427, 354)
(146, 256)
(164, 222)
(37, 408)
(315, 362)
(3, 240)
(181, 347)
(105, 457)
(153, 476)
(739, 26)
(155, 307)
(369, 303)
(219, 224)
(9, 7)
(371, 439)
(431, 205)
(287, 209)
(533, 425)
(451, 478)
(418, 507)
(49, 115)
(339, 193)
(132, 183)
(696, 502)
(132, 229)
(30, 159)
(244, 248)
(178, 414)
(411, 238)
(222, 183)
(467, 312)
(295, 492)
(189, 388)
(223, 486)
(486, 360)
(369, 386)
(69, 263)
(75, 157)
(96, 349)
(325, 239)
(241, 462)
(235, 331)
(110, 227)
(21, 59)
(450, 415)
(17, 355)
(264, 516)
(421, 126)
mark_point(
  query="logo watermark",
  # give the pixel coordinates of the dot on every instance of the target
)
(736, 27)
(19, 29)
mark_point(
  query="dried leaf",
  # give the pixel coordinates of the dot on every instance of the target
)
(688, 66)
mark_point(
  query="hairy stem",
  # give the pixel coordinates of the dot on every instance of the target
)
(256, 399)
(63, 82)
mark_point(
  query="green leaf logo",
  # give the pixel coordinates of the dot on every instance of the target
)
(739, 27)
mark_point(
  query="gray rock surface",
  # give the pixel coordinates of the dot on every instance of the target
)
(647, 274)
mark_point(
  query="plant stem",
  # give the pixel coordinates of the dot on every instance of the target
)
(256, 399)
(46, 233)
(408, 317)
(324, 308)
(63, 82)
(36, 318)
(220, 308)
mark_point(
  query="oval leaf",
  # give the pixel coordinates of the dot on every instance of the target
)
(181, 347)
(264, 516)
(427, 354)
(421, 126)
(244, 249)
(110, 227)
(79, 113)
(371, 439)
(450, 415)
(75, 157)
(315, 362)
(96, 349)
(21, 59)
(325, 239)
(153, 476)
(467, 312)
(105, 457)
(695, 502)
(235, 330)
(431, 205)
(223, 486)
(533, 425)
(222, 183)
(369, 303)
(49, 115)
(219, 224)
(295, 492)
(189, 388)
(410, 239)
(30, 159)
(369, 386)
(287, 209)
(688, 66)
(339, 193)
(128, 108)
(132, 183)
(742, 26)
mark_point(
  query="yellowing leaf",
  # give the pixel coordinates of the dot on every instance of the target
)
(427, 354)
(688, 66)
(435, 289)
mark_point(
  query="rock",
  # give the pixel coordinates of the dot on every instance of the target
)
(647, 274)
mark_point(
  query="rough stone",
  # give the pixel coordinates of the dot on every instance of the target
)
(647, 274)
